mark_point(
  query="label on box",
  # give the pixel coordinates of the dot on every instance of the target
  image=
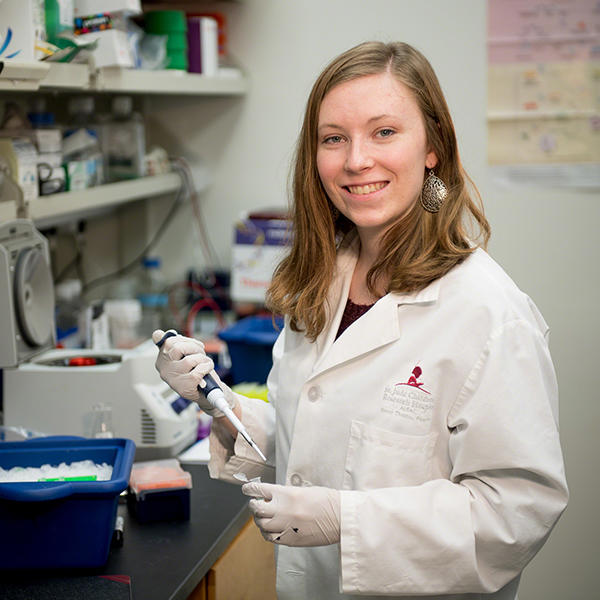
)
(99, 22)
(259, 246)
(83, 174)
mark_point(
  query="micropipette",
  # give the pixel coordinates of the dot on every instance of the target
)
(214, 394)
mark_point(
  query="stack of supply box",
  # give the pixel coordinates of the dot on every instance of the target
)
(106, 21)
(159, 490)
(31, 144)
(27, 24)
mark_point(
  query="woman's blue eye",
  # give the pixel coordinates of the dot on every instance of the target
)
(333, 139)
(386, 132)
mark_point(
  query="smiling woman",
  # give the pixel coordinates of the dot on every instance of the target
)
(376, 122)
(408, 462)
(372, 154)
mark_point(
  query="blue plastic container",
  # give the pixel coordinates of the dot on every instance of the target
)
(250, 344)
(61, 524)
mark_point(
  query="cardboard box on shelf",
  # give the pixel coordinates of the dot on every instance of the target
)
(258, 247)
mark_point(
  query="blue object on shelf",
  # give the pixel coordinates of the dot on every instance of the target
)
(67, 523)
(250, 344)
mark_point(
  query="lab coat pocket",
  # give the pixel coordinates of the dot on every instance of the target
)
(381, 458)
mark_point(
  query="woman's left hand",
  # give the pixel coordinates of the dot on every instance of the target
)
(295, 516)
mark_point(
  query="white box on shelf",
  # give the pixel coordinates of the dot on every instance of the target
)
(85, 8)
(113, 48)
(203, 46)
(20, 27)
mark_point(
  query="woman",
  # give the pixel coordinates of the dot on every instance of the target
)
(413, 403)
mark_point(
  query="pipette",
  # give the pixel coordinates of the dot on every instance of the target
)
(214, 394)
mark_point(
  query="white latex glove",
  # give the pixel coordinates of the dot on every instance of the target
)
(295, 516)
(182, 363)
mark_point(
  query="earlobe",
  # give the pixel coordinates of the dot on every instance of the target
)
(431, 160)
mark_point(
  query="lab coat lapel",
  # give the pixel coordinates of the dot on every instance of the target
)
(376, 328)
(338, 294)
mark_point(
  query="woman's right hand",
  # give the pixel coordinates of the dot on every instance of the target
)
(182, 363)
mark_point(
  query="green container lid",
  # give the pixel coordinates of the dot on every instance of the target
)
(178, 60)
(165, 21)
(176, 41)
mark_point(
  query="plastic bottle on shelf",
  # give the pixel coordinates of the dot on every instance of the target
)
(124, 141)
(152, 294)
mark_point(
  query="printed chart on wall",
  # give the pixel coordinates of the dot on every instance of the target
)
(544, 92)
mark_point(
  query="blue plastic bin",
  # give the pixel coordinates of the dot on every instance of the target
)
(61, 524)
(250, 344)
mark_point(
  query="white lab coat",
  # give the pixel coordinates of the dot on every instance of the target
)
(450, 481)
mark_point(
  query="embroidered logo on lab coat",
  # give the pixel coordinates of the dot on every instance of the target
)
(409, 399)
(413, 380)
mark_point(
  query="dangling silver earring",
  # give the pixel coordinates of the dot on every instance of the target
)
(434, 193)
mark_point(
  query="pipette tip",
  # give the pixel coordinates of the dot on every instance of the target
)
(258, 450)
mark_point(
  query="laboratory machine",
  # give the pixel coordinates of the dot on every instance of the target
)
(76, 392)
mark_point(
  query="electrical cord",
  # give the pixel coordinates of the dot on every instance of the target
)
(210, 255)
(153, 241)
(206, 301)
(197, 307)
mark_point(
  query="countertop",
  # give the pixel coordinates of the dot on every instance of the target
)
(165, 560)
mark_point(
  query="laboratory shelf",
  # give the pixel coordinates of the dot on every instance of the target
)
(32, 76)
(22, 76)
(66, 76)
(44, 76)
(115, 79)
(59, 208)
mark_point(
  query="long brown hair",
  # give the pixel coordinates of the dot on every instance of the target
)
(420, 247)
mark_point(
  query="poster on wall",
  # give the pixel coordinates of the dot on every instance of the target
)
(544, 92)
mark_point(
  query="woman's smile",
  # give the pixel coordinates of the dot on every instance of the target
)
(366, 188)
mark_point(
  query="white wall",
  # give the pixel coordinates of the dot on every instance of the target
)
(544, 238)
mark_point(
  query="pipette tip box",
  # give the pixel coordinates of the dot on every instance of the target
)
(159, 490)
(61, 524)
